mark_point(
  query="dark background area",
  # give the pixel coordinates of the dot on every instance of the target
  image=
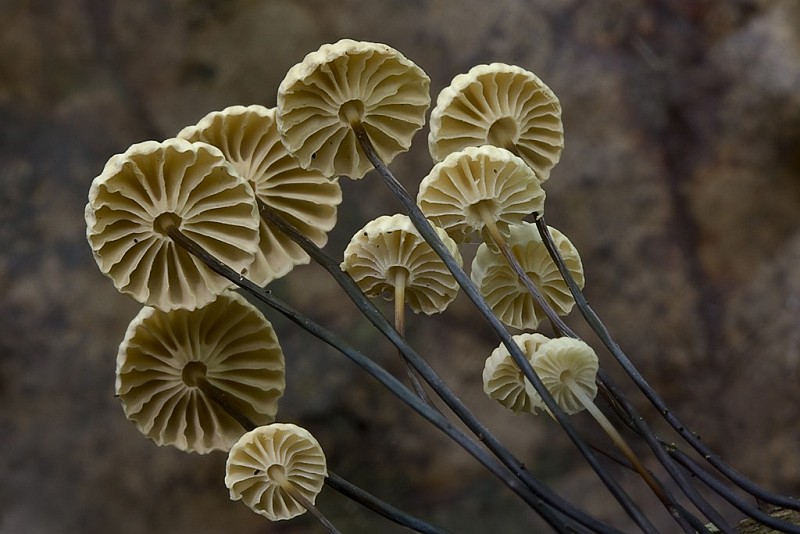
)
(679, 184)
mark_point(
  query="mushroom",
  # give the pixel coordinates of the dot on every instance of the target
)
(388, 257)
(479, 189)
(500, 286)
(152, 188)
(277, 470)
(501, 105)
(248, 136)
(351, 83)
(175, 367)
(502, 379)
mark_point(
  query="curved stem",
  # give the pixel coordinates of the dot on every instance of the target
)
(429, 234)
(605, 336)
(376, 371)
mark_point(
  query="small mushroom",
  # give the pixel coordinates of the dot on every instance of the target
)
(276, 470)
(173, 367)
(248, 136)
(388, 257)
(568, 369)
(501, 105)
(502, 379)
(148, 190)
(480, 188)
(342, 84)
(502, 289)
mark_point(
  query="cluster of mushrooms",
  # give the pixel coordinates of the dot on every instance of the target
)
(248, 193)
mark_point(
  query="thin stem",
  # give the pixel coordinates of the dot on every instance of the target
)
(513, 262)
(376, 371)
(223, 400)
(374, 315)
(286, 485)
(605, 336)
(399, 282)
(615, 436)
(376, 505)
(428, 233)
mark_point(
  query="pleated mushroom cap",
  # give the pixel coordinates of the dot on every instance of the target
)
(152, 186)
(505, 293)
(501, 105)
(556, 362)
(503, 380)
(166, 354)
(390, 245)
(248, 137)
(266, 458)
(345, 82)
(453, 194)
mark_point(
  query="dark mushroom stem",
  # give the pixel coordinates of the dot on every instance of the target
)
(548, 513)
(429, 234)
(687, 434)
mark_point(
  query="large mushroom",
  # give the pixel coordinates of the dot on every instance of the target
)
(248, 137)
(344, 84)
(175, 368)
(153, 188)
(501, 105)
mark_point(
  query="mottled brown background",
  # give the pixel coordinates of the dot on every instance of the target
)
(680, 184)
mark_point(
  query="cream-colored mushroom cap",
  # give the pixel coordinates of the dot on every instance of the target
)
(476, 180)
(503, 380)
(506, 294)
(390, 246)
(501, 105)
(346, 82)
(248, 136)
(563, 364)
(166, 355)
(265, 459)
(155, 185)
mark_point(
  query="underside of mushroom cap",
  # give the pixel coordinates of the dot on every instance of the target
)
(152, 187)
(268, 456)
(346, 82)
(558, 361)
(248, 137)
(501, 105)
(506, 294)
(503, 380)
(165, 356)
(458, 190)
(391, 243)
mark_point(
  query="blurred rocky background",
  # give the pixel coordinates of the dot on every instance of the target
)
(680, 185)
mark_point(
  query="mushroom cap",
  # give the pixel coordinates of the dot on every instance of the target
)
(248, 136)
(176, 182)
(389, 243)
(286, 448)
(164, 354)
(559, 359)
(501, 105)
(507, 295)
(348, 80)
(503, 380)
(494, 178)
